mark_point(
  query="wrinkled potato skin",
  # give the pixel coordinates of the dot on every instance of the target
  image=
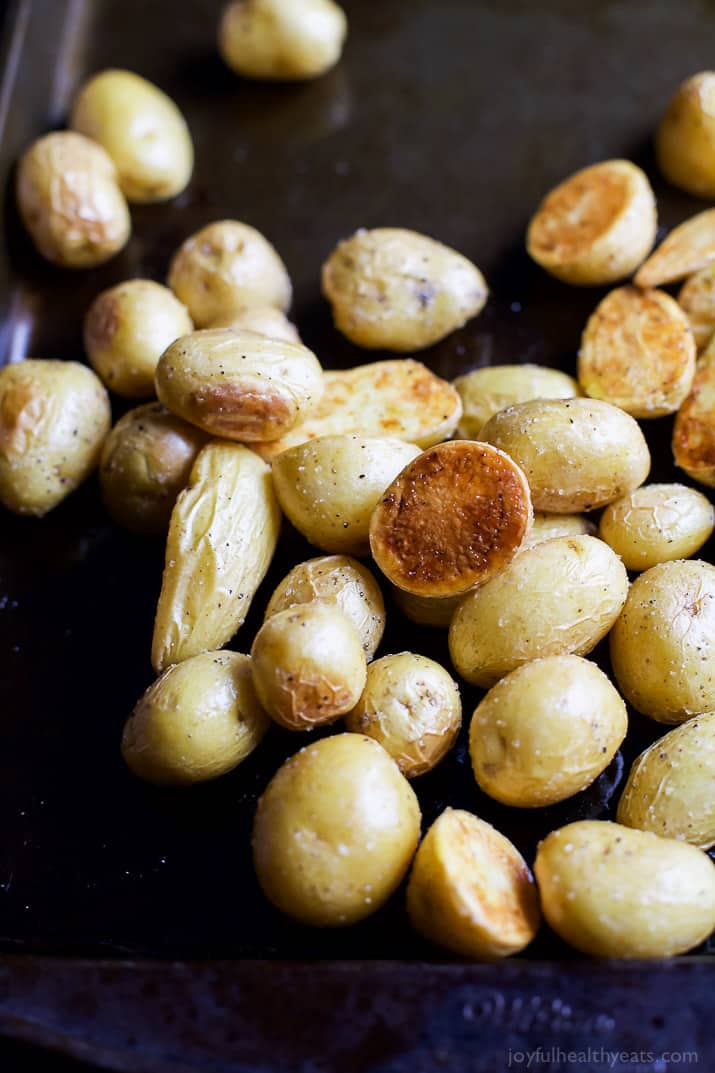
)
(329, 487)
(54, 416)
(470, 889)
(486, 391)
(239, 385)
(546, 731)
(264, 320)
(694, 429)
(335, 831)
(70, 202)
(614, 892)
(411, 706)
(685, 139)
(392, 289)
(670, 786)
(577, 454)
(657, 523)
(557, 598)
(141, 129)
(279, 39)
(697, 300)
(146, 461)
(309, 666)
(199, 720)
(225, 267)
(547, 526)
(663, 644)
(126, 330)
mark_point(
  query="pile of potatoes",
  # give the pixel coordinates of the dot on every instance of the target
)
(507, 508)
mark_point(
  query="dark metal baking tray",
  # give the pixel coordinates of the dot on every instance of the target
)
(452, 117)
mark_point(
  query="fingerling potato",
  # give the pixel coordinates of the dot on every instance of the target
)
(688, 248)
(657, 523)
(697, 300)
(279, 39)
(486, 391)
(265, 320)
(694, 428)
(685, 138)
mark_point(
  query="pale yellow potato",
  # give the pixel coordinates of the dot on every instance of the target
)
(239, 385)
(694, 429)
(548, 526)
(688, 248)
(436, 611)
(663, 644)
(199, 720)
(697, 300)
(146, 461)
(400, 398)
(225, 267)
(127, 329)
(141, 128)
(595, 227)
(309, 665)
(329, 487)
(342, 582)
(671, 786)
(657, 523)
(222, 535)
(265, 320)
(470, 890)
(411, 706)
(637, 352)
(335, 831)
(392, 289)
(70, 201)
(546, 731)
(54, 416)
(577, 454)
(486, 391)
(685, 138)
(614, 892)
(282, 39)
(559, 597)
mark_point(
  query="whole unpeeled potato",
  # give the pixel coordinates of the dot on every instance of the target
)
(282, 39)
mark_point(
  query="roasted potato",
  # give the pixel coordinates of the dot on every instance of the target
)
(265, 320)
(392, 289)
(687, 249)
(657, 523)
(335, 831)
(685, 139)
(697, 300)
(436, 611)
(548, 526)
(54, 416)
(694, 428)
(486, 391)
(269, 39)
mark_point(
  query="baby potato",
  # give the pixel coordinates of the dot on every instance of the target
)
(225, 267)
(54, 416)
(697, 300)
(546, 731)
(309, 665)
(146, 461)
(453, 518)
(470, 890)
(638, 353)
(663, 644)
(694, 429)
(392, 289)
(657, 523)
(239, 385)
(688, 248)
(595, 227)
(265, 320)
(342, 582)
(269, 39)
(200, 719)
(143, 131)
(127, 329)
(412, 707)
(329, 487)
(436, 611)
(547, 526)
(335, 831)
(614, 892)
(671, 786)
(556, 598)
(577, 454)
(685, 138)
(486, 391)
(70, 202)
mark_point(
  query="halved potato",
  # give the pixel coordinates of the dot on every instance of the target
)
(486, 391)
(694, 428)
(687, 249)
(453, 518)
(697, 300)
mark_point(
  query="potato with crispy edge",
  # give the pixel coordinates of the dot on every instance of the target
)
(595, 227)
(470, 890)
(697, 300)
(547, 526)
(694, 429)
(657, 523)
(637, 352)
(264, 320)
(671, 786)
(281, 39)
(688, 248)
(335, 831)
(614, 892)
(486, 391)
(685, 138)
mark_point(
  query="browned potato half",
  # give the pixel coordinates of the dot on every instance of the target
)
(282, 39)
(265, 320)
(596, 226)
(548, 526)
(335, 831)
(694, 428)
(638, 353)
(486, 391)
(436, 611)
(657, 523)
(392, 289)
(453, 518)
(411, 705)
(687, 249)
(685, 139)
(470, 890)
(697, 300)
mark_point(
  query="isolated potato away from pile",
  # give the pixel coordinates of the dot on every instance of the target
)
(248, 426)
